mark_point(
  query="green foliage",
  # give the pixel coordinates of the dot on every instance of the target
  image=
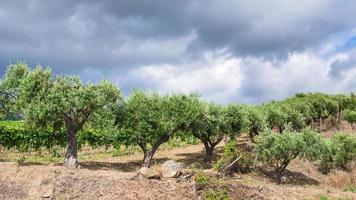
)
(350, 188)
(275, 116)
(324, 197)
(322, 105)
(10, 91)
(230, 149)
(255, 120)
(235, 120)
(278, 150)
(151, 119)
(343, 149)
(211, 194)
(188, 138)
(143, 123)
(338, 151)
(350, 116)
(295, 119)
(209, 125)
(16, 134)
(143, 120)
(64, 103)
(101, 129)
(201, 179)
(312, 144)
(231, 153)
(288, 113)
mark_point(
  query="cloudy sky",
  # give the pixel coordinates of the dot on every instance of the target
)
(227, 50)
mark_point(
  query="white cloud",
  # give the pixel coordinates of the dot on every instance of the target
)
(223, 78)
(214, 77)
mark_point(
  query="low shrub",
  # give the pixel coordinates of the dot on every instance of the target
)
(350, 116)
(231, 152)
(338, 151)
(278, 150)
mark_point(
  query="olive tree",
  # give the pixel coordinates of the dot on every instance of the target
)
(63, 102)
(276, 117)
(208, 125)
(278, 150)
(343, 101)
(10, 89)
(322, 107)
(74, 102)
(151, 119)
(295, 119)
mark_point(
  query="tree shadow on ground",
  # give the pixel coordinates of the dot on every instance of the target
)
(135, 165)
(124, 167)
(188, 159)
(290, 177)
(31, 163)
(197, 158)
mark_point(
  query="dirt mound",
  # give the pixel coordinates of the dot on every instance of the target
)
(57, 182)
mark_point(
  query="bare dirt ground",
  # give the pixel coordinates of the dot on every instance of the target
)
(112, 178)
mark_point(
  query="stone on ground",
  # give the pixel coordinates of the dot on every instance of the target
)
(171, 169)
(149, 173)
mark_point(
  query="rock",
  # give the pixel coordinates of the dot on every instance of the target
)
(171, 169)
(149, 173)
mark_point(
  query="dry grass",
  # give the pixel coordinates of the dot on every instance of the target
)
(342, 179)
(106, 174)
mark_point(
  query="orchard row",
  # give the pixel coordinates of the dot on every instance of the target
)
(64, 111)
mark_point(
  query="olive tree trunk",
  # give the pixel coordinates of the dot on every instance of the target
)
(209, 149)
(73, 123)
(208, 154)
(70, 159)
(279, 169)
(147, 157)
(278, 176)
(148, 153)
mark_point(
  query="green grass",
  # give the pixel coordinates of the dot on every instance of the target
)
(324, 197)
(211, 194)
(350, 188)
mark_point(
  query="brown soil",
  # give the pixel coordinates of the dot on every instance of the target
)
(112, 178)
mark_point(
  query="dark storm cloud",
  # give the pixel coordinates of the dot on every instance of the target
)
(72, 36)
(111, 38)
